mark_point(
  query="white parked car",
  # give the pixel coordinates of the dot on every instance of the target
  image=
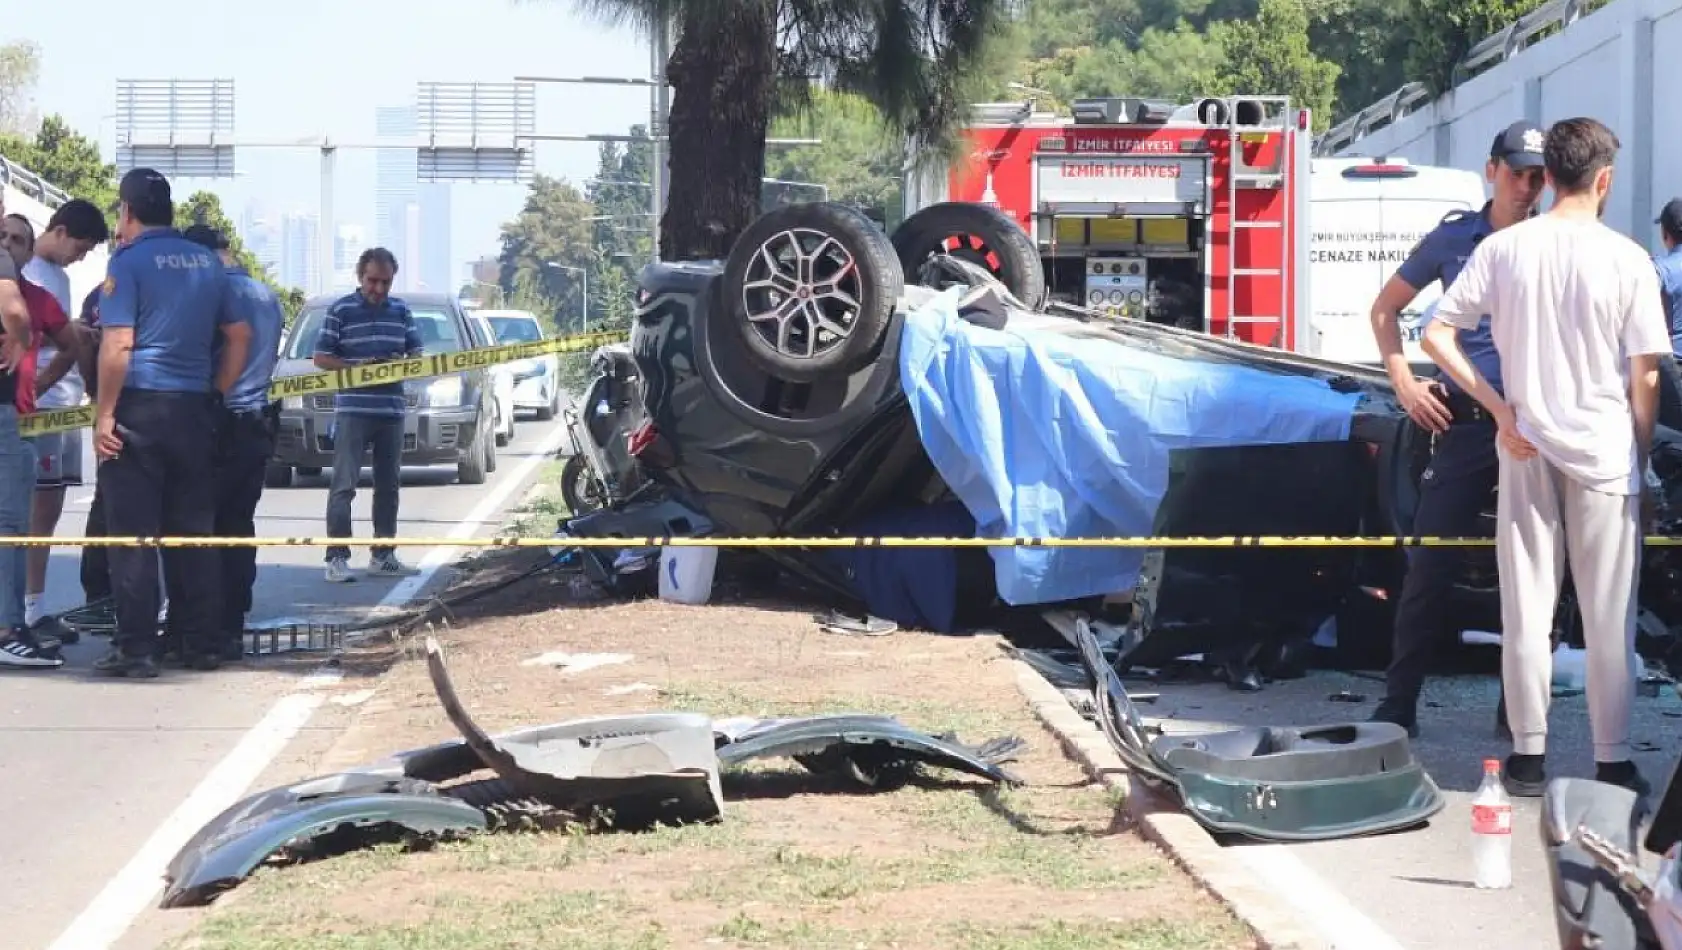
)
(502, 384)
(537, 385)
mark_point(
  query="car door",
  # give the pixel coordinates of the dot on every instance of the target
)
(475, 381)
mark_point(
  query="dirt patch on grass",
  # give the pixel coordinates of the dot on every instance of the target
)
(799, 860)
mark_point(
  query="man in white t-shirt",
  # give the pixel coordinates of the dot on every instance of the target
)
(76, 228)
(1575, 313)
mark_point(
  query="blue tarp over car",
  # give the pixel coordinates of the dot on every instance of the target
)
(1046, 435)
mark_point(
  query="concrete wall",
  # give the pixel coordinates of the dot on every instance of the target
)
(84, 276)
(1600, 66)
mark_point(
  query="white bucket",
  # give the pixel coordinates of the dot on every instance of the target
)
(686, 574)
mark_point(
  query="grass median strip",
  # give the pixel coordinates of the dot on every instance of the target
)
(799, 860)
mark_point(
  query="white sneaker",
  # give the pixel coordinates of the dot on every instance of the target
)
(390, 566)
(19, 652)
(338, 571)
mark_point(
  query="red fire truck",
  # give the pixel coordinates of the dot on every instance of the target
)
(1189, 214)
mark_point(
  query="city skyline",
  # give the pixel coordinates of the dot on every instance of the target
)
(411, 218)
(280, 96)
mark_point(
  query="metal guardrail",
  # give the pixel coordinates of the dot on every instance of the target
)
(16, 176)
(1538, 24)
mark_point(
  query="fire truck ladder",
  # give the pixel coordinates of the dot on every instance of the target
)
(1242, 240)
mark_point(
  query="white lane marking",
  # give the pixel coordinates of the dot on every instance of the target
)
(409, 587)
(1319, 903)
(132, 891)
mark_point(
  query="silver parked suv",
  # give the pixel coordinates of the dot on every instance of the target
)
(451, 419)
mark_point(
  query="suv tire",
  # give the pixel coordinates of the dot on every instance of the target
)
(980, 234)
(799, 265)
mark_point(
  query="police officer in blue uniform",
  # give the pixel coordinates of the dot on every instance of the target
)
(246, 438)
(1457, 485)
(164, 304)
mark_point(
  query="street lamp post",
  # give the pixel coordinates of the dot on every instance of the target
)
(583, 284)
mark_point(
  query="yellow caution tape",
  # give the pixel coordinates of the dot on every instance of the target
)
(332, 381)
(825, 542)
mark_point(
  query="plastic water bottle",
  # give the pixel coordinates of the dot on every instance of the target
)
(1492, 830)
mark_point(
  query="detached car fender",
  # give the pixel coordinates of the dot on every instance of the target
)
(225, 851)
(875, 750)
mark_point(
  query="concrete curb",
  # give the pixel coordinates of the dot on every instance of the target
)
(1276, 926)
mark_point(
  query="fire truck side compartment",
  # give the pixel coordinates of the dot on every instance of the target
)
(1208, 204)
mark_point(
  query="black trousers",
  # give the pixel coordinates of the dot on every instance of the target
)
(1670, 393)
(246, 442)
(96, 561)
(1454, 491)
(163, 483)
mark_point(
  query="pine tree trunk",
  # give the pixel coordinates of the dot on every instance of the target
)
(722, 71)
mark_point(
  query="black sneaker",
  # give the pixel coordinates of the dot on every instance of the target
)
(1622, 774)
(1399, 712)
(52, 628)
(21, 652)
(1524, 777)
(115, 663)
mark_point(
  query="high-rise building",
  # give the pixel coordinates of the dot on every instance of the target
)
(435, 238)
(412, 219)
(299, 266)
(349, 241)
(261, 237)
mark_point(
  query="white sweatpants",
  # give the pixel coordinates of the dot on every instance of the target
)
(1541, 514)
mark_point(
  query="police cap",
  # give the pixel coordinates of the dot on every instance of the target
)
(1519, 145)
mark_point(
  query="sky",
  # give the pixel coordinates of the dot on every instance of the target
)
(307, 68)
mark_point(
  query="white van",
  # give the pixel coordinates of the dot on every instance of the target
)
(1365, 215)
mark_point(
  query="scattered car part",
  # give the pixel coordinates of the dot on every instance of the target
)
(227, 849)
(633, 771)
(980, 234)
(1273, 784)
(835, 621)
(876, 751)
(811, 289)
(1593, 907)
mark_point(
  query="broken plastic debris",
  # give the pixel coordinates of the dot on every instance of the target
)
(634, 560)
(577, 662)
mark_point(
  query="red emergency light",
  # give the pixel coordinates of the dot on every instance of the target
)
(1380, 169)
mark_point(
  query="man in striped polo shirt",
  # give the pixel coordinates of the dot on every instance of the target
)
(367, 326)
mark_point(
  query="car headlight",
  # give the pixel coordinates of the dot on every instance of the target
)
(442, 393)
(292, 402)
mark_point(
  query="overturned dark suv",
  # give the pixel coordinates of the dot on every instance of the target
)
(772, 402)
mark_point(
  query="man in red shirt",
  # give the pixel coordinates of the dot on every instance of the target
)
(47, 319)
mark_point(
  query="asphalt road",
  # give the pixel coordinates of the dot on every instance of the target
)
(99, 775)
